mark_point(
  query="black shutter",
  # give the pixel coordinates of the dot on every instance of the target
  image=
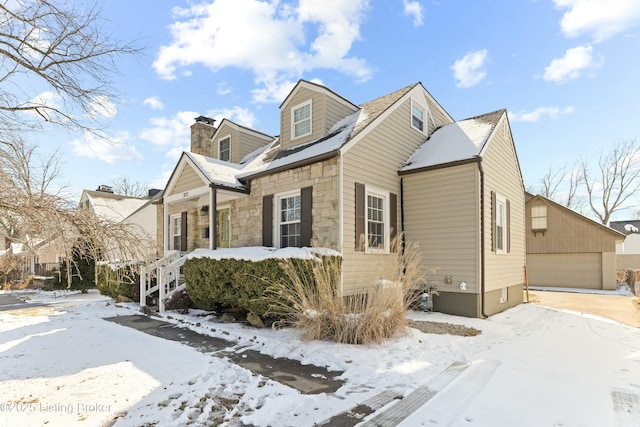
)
(393, 220)
(360, 216)
(267, 220)
(183, 232)
(306, 220)
(508, 225)
(493, 221)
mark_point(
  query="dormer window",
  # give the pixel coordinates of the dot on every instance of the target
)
(417, 116)
(301, 120)
(224, 149)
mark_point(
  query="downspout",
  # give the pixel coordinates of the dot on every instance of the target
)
(403, 241)
(482, 257)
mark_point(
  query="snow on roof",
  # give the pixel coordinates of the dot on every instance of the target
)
(217, 171)
(453, 142)
(259, 253)
(334, 140)
(111, 206)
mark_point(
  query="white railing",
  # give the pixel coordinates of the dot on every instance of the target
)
(167, 275)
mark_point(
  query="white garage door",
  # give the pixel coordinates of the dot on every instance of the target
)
(583, 270)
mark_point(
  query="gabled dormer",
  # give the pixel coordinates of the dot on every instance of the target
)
(231, 142)
(309, 111)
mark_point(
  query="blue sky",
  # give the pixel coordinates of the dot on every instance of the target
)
(566, 70)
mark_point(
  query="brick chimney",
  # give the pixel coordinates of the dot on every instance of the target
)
(201, 132)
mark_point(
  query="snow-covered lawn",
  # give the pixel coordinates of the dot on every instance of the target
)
(63, 365)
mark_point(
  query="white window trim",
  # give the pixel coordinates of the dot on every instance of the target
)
(276, 214)
(293, 123)
(424, 116)
(384, 195)
(172, 234)
(501, 204)
(220, 150)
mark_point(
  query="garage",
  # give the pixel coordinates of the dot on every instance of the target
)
(566, 270)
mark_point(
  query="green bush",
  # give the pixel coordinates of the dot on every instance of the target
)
(236, 284)
(121, 282)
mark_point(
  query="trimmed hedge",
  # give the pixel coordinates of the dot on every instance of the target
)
(234, 283)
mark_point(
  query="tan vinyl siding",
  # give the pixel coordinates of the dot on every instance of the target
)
(188, 180)
(222, 133)
(318, 106)
(336, 111)
(248, 144)
(441, 209)
(502, 175)
(567, 231)
(437, 117)
(374, 161)
(242, 142)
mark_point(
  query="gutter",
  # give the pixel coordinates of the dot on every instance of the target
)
(482, 249)
(296, 164)
(402, 236)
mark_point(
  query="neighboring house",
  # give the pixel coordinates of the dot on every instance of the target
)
(139, 211)
(628, 251)
(353, 177)
(566, 249)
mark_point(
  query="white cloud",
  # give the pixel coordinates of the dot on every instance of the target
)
(170, 132)
(414, 8)
(111, 151)
(223, 88)
(538, 113)
(469, 70)
(239, 115)
(102, 107)
(571, 65)
(599, 18)
(277, 41)
(154, 102)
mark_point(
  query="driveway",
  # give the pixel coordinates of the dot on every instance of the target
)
(620, 308)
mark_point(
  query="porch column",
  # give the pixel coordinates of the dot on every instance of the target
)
(213, 217)
(165, 225)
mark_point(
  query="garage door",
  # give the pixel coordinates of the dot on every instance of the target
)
(583, 270)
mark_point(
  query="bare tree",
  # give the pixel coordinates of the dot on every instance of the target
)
(561, 186)
(67, 58)
(127, 187)
(611, 188)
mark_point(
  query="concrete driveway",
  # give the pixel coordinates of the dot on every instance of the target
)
(620, 308)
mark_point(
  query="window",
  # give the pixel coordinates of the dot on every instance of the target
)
(417, 116)
(301, 120)
(377, 221)
(504, 295)
(289, 215)
(500, 225)
(224, 149)
(176, 232)
(538, 218)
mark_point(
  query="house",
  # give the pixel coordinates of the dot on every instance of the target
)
(566, 249)
(353, 177)
(628, 251)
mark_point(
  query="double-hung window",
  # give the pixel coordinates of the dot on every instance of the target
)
(301, 120)
(289, 216)
(224, 149)
(501, 224)
(377, 218)
(176, 232)
(417, 116)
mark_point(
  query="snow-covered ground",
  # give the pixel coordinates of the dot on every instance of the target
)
(63, 365)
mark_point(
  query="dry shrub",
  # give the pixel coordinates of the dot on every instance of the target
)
(314, 304)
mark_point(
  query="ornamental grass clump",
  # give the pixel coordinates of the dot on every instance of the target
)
(313, 302)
